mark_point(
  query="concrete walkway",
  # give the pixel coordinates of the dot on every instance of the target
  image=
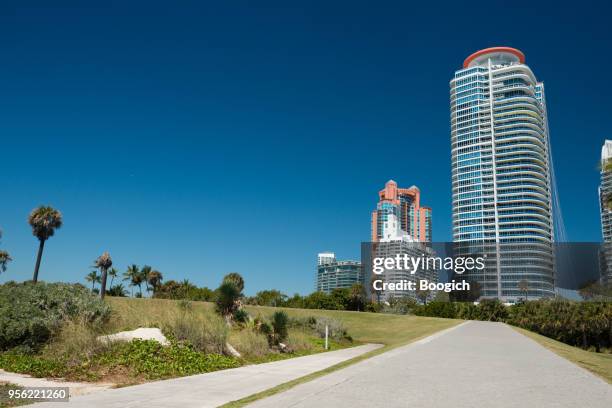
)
(216, 388)
(76, 388)
(478, 364)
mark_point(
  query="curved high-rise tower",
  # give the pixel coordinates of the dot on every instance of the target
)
(501, 174)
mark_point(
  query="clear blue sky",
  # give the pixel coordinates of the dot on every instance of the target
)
(206, 138)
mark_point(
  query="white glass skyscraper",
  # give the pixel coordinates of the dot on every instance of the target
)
(501, 174)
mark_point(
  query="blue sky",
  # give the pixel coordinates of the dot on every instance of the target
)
(207, 138)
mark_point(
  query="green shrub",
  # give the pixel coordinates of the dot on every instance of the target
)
(30, 314)
(36, 366)
(241, 316)
(279, 325)
(149, 358)
(582, 324)
(437, 309)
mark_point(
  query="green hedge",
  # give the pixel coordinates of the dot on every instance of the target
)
(582, 324)
(30, 314)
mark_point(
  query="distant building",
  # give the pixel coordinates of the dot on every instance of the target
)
(325, 258)
(405, 205)
(332, 274)
(605, 190)
(394, 241)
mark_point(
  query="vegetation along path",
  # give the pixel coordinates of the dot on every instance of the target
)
(477, 364)
(217, 388)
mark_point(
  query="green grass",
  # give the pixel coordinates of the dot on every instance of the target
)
(5, 401)
(598, 363)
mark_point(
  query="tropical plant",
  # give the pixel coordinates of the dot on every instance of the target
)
(227, 300)
(423, 295)
(144, 275)
(280, 330)
(5, 258)
(117, 290)
(357, 297)
(104, 262)
(132, 275)
(44, 221)
(154, 279)
(236, 279)
(94, 278)
(112, 272)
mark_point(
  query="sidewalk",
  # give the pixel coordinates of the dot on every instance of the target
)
(216, 388)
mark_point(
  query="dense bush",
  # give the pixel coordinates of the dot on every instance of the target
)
(437, 309)
(149, 358)
(31, 313)
(582, 324)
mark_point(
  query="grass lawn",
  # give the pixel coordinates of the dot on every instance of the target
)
(598, 363)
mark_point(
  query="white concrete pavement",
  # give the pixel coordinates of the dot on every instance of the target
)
(478, 364)
(212, 389)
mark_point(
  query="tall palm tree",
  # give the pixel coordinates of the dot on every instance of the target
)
(131, 275)
(104, 262)
(144, 274)
(92, 277)
(112, 272)
(44, 221)
(5, 258)
(154, 278)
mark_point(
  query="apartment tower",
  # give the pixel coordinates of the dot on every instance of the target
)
(501, 182)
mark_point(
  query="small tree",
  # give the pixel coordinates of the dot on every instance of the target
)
(104, 262)
(227, 300)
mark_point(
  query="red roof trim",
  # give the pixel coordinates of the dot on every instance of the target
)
(477, 54)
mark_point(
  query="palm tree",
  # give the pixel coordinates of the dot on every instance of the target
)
(112, 272)
(5, 258)
(144, 274)
(357, 296)
(104, 262)
(523, 286)
(44, 221)
(117, 290)
(154, 279)
(92, 277)
(236, 279)
(131, 275)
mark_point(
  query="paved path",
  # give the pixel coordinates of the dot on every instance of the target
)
(212, 389)
(76, 388)
(478, 364)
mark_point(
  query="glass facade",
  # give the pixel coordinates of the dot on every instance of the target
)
(500, 174)
(338, 274)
